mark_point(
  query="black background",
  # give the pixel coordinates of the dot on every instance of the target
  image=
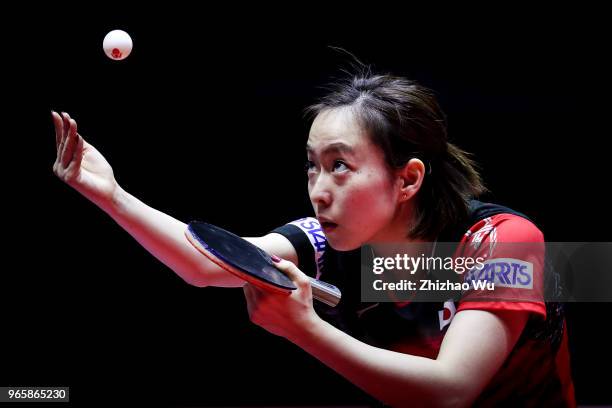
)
(204, 121)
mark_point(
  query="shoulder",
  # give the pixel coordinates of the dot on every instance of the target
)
(504, 227)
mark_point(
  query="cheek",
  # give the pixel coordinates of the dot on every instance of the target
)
(372, 199)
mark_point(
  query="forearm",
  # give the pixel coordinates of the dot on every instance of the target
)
(395, 378)
(160, 234)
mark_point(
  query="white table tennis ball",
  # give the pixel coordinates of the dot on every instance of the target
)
(117, 45)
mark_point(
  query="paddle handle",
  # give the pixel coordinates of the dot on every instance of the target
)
(325, 292)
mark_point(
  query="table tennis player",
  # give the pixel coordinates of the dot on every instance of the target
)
(380, 169)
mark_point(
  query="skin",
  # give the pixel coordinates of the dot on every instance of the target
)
(79, 164)
(83, 168)
(370, 205)
(355, 189)
(373, 205)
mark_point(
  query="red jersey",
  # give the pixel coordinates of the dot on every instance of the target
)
(537, 371)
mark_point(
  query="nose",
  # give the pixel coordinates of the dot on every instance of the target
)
(320, 192)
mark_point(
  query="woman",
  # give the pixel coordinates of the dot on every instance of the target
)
(380, 171)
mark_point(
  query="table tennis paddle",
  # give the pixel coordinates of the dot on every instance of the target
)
(249, 262)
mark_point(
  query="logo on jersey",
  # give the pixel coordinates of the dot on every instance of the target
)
(487, 230)
(446, 315)
(504, 272)
(312, 228)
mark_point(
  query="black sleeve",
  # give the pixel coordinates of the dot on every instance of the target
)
(303, 247)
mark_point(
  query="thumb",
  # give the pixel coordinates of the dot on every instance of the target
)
(292, 271)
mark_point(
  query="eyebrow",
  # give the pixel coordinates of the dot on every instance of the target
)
(333, 147)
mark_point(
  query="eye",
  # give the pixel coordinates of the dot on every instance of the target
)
(308, 165)
(341, 163)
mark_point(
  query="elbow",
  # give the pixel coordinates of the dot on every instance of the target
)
(443, 398)
(448, 389)
(456, 400)
(455, 392)
(447, 398)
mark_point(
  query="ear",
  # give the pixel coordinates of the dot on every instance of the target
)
(409, 179)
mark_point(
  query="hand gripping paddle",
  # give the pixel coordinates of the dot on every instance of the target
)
(249, 262)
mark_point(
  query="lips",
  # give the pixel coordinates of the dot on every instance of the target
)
(326, 224)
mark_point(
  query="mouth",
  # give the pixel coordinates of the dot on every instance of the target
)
(328, 226)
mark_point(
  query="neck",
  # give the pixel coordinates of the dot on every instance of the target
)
(413, 248)
(395, 239)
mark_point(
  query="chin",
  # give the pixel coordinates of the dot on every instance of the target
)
(343, 246)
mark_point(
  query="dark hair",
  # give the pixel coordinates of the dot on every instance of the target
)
(404, 119)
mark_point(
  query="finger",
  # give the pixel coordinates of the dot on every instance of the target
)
(66, 120)
(293, 272)
(78, 152)
(59, 128)
(65, 129)
(247, 291)
(70, 143)
(250, 295)
(67, 124)
(254, 292)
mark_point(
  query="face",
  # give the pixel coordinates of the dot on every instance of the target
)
(348, 182)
